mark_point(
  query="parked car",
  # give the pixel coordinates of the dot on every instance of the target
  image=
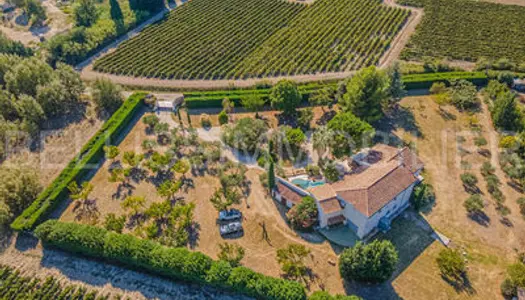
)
(232, 214)
(230, 228)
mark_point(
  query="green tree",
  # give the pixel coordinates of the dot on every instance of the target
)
(168, 189)
(151, 121)
(366, 93)
(285, 97)
(35, 12)
(232, 254)
(134, 205)
(86, 13)
(19, 187)
(350, 133)
(287, 141)
(469, 181)
(396, 87)
(374, 262)
(322, 139)
(463, 94)
(303, 215)
(291, 259)
(223, 117)
(330, 172)
(29, 110)
(27, 75)
(253, 103)
(182, 166)
(306, 116)
(223, 198)
(111, 152)
(322, 295)
(114, 223)
(438, 88)
(246, 134)
(322, 97)
(71, 81)
(271, 175)
(107, 95)
(515, 278)
(474, 205)
(451, 265)
(505, 113)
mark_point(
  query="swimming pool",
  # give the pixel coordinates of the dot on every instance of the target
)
(306, 183)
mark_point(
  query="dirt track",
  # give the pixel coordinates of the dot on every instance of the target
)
(390, 55)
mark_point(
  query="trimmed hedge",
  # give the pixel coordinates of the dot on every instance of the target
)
(173, 263)
(207, 99)
(91, 153)
(425, 81)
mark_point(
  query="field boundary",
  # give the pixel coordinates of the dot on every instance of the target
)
(78, 167)
(177, 264)
(390, 55)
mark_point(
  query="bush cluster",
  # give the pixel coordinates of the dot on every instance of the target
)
(91, 153)
(173, 263)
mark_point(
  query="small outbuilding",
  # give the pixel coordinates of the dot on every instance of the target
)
(519, 85)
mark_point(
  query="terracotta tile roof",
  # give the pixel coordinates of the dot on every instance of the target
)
(322, 192)
(373, 187)
(289, 193)
(330, 205)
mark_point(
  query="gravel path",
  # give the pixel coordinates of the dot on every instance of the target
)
(390, 55)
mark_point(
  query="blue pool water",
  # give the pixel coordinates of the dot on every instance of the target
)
(305, 184)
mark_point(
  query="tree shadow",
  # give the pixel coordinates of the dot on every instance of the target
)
(117, 16)
(411, 235)
(481, 218)
(25, 241)
(99, 273)
(401, 117)
(194, 234)
(461, 284)
(326, 117)
(447, 116)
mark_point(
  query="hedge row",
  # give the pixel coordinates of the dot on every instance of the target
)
(91, 153)
(425, 81)
(173, 263)
(207, 99)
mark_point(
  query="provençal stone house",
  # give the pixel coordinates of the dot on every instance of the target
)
(369, 197)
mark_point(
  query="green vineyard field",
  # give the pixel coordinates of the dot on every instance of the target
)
(218, 39)
(15, 286)
(468, 30)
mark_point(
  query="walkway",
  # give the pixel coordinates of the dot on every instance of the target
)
(392, 54)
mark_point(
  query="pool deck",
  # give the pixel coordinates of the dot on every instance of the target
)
(341, 235)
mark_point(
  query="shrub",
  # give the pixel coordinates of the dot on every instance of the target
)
(372, 263)
(422, 196)
(322, 295)
(205, 121)
(469, 180)
(451, 265)
(303, 215)
(114, 223)
(507, 142)
(480, 141)
(151, 121)
(515, 278)
(474, 204)
(232, 254)
(521, 203)
(174, 263)
(223, 117)
(487, 169)
(91, 153)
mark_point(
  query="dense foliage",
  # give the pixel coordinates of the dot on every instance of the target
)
(91, 153)
(350, 133)
(246, 134)
(14, 285)
(173, 263)
(32, 92)
(374, 262)
(451, 265)
(8, 46)
(463, 29)
(303, 215)
(515, 278)
(19, 186)
(240, 39)
(97, 27)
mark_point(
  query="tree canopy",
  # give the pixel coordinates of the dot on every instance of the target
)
(374, 262)
(366, 93)
(349, 133)
(285, 97)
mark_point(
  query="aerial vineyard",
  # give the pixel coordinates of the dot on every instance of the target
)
(468, 30)
(329, 36)
(217, 39)
(15, 286)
